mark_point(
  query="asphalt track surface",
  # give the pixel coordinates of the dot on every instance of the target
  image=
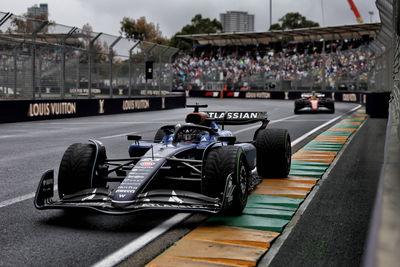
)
(56, 238)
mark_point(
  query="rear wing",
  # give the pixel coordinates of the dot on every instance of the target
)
(237, 117)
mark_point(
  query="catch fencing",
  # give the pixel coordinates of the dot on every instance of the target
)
(387, 49)
(41, 59)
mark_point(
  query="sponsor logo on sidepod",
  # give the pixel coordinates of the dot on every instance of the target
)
(147, 163)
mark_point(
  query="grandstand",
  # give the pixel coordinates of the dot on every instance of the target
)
(333, 58)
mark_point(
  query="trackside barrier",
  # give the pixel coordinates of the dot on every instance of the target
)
(29, 110)
(376, 103)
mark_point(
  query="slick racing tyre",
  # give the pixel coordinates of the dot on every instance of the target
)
(331, 106)
(273, 153)
(76, 169)
(221, 164)
(297, 107)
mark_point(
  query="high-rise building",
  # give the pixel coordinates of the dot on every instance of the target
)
(237, 21)
(41, 11)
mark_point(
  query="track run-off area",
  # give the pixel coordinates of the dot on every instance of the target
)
(58, 238)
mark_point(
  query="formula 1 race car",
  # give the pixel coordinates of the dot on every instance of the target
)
(197, 166)
(314, 102)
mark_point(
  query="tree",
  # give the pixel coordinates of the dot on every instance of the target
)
(293, 20)
(198, 25)
(140, 29)
(28, 23)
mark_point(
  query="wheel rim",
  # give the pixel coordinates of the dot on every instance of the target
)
(242, 180)
(288, 152)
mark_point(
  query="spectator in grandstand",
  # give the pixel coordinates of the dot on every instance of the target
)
(287, 64)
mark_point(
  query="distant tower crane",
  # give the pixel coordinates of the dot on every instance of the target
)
(355, 11)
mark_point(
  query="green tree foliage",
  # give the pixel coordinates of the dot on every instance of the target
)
(140, 29)
(198, 25)
(27, 24)
(293, 20)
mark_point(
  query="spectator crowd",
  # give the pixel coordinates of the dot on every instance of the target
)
(236, 71)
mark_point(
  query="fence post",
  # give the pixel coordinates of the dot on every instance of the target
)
(90, 51)
(131, 69)
(146, 56)
(15, 72)
(62, 82)
(78, 74)
(111, 56)
(40, 73)
(323, 66)
(170, 61)
(160, 70)
(33, 52)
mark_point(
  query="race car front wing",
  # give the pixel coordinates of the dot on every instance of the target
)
(100, 199)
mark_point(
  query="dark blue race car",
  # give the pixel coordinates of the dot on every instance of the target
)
(197, 166)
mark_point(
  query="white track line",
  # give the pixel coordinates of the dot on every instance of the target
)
(20, 198)
(116, 135)
(16, 200)
(140, 242)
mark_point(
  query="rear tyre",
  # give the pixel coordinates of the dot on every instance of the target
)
(297, 107)
(273, 153)
(222, 163)
(331, 106)
(76, 167)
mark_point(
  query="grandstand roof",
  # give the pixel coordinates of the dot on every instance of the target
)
(296, 35)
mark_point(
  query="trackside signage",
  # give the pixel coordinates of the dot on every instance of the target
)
(135, 104)
(48, 109)
(27, 110)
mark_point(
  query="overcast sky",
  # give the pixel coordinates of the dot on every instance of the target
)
(172, 15)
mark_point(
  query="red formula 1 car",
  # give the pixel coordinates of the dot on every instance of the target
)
(314, 102)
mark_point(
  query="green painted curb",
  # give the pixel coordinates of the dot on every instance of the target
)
(325, 144)
(275, 201)
(266, 206)
(296, 162)
(350, 120)
(308, 168)
(327, 148)
(299, 163)
(345, 126)
(321, 149)
(334, 133)
(269, 213)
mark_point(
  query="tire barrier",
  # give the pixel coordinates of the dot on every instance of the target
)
(29, 110)
(377, 103)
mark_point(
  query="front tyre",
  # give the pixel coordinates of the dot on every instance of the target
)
(273, 153)
(221, 164)
(76, 168)
(297, 107)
